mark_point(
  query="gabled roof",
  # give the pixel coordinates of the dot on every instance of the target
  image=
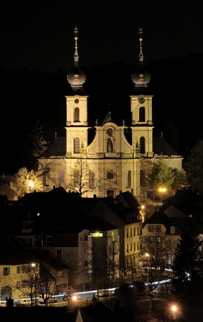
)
(128, 200)
(161, 147)
(157, 218)
(12, 253)
(56, 149)
(173, 212)
(187, 201)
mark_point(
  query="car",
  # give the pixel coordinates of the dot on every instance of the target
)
(46, 299)
(2, 303)
(24, 302)
(51, 300)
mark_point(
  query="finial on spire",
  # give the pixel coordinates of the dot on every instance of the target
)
(141, 56)
(76, 57)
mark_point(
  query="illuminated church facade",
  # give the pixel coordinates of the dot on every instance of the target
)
(117, 155)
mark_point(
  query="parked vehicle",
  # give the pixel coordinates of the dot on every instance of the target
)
(46, 299)
(2, 303)
(24, 302)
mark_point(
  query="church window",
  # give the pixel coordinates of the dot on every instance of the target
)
(142, 114)
(60, 177)
(128, 179)
(76, 101)
(142, 144)
(91, 179)
(110, 175)
(76, 114)
(76, 76)
(109, 146)
(76, 178)
(110, 193)
(76, 145)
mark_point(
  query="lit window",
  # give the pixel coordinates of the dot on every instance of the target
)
(158, 239)
(97, 234)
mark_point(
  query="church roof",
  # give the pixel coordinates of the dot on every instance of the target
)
(57, 148)
(161, 147)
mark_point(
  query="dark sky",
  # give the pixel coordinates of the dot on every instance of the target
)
(38, 34)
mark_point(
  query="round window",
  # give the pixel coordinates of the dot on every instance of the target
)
(110, 175)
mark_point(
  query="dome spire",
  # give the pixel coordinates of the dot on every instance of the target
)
(140, 77)
(76, 78)
(76, 56)
(141, 56)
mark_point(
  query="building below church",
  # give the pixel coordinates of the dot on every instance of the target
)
(110, 157)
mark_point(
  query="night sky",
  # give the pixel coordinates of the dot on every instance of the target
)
(38, 34)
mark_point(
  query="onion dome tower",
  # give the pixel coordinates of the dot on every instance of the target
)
(141, 77)
(76, 78)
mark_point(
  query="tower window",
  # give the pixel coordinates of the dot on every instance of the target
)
(76, 145)
(142, 144)
(76, 114)
(142, 114)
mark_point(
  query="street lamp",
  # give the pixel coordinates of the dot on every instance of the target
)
(162, 190)
(33, 281)
(149, 281)
(174, 311)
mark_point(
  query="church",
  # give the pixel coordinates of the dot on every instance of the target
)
(115, 156)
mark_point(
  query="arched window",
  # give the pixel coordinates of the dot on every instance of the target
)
(142, 144)
(128, 179)
(76, 178)
(91, 179)
(76, 145)
(76, 114)
(109, 146)
(142, 114)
